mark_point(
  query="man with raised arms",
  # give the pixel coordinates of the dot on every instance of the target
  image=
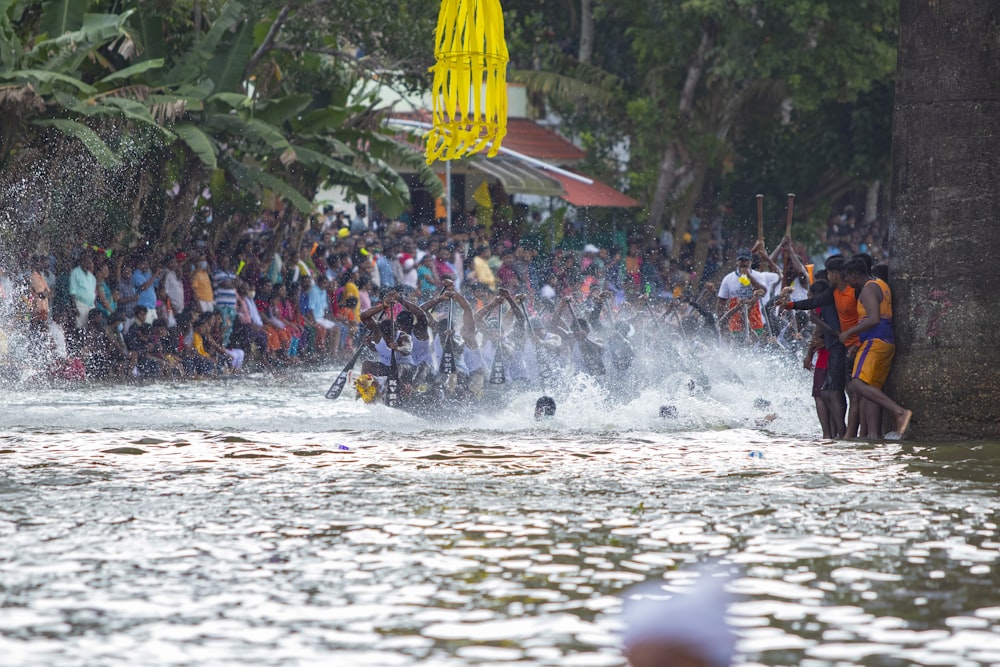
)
(841, 295)
(742, 287)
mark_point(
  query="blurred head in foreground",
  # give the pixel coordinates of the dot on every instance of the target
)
(687, 629)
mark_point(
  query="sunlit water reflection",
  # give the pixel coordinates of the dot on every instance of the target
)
(253, 522)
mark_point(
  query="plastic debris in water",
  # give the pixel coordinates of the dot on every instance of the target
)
(756, 454)
(343, 448)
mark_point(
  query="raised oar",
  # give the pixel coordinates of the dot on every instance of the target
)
(791, 209)
(760, 217)
(788, 253)
(546, 371)
(788, 235)
(447, 350)
(497, 374)
(392, 397)
(622, 353)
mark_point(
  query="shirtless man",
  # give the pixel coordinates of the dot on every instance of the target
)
(878, 346)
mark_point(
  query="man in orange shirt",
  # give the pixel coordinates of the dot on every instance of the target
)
(842, 296)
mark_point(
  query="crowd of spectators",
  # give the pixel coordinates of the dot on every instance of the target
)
(280, 297)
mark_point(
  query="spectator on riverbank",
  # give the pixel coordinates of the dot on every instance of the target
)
(39, 290)
(83, 288)
(145, 282)
(224, 283)
(105, 301)
(173, 286)
(201, 285)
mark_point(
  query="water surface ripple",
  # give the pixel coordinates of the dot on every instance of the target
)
(254, 523)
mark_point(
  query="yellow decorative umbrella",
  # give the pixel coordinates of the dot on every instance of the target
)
(470, 80)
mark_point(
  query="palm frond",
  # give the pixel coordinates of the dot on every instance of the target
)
(90, 139)
(133, 70)
(167, 109)
(564, 87)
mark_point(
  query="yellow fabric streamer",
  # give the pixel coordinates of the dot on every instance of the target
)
(470, 51)
(482, 196)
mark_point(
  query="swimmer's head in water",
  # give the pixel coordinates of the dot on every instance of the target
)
(545, 407)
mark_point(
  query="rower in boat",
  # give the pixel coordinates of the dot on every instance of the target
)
(585, 352)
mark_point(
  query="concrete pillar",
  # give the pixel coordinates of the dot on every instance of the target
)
(945, 218)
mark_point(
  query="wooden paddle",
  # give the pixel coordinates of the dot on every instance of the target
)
(788, 252)
(622, 353)
(788, 220)
(392, 396)
(497, 374)
(546, 370)
(760, 217)
(447, 366)
(338, 385)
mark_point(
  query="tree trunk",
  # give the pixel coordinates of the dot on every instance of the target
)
(685, 209)
(268, 43)
(871, 201)
(668, 165)
(179, 210)
(586, 32)
(944, 232)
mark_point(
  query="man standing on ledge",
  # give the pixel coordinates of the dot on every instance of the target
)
(743, 286)
(878, 346)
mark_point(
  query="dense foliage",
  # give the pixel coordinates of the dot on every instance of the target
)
(719, 99)
(121, 118)
(167, 106)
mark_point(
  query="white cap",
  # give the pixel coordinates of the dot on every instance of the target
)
(590, 247)
(547, 292)
(408, 264)
(695, 619)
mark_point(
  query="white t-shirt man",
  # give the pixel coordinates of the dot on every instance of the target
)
(732, 288)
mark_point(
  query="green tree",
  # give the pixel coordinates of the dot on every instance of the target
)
(698, 86)
(171, 103)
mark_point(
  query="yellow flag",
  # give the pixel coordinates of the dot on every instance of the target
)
(482, 196)
(470, 80)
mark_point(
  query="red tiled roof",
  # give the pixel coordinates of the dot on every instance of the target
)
(524, 136)
(595, 194)
(529, 138)
(534, 140)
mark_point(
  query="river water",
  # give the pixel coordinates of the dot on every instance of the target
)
(253, 522)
